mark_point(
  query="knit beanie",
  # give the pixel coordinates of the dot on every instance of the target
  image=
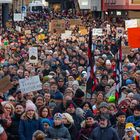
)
(68, 117)
(57, 116)
(30, 106)
(88, 113)
(79, 93)
(129, 127)
(45, 120)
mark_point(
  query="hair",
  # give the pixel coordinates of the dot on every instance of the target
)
(38, 135)
(12, 107)
(41, 109)
(89, 104)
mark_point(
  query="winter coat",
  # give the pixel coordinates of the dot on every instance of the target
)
(12, 131)
(28, 126)
(107, 133)
(72, 130)
(86, 132)
(59, 132)
(134, 120)
(120, 128)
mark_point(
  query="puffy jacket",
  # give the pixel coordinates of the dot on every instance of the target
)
(28, 126)
(59, 132)
(134, 120)
(107, 133)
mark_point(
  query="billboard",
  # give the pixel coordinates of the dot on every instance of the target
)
(6, 1)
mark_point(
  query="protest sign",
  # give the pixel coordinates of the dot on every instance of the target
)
(126, 50)
(74, 22)
(57, 26)
(18, 28)
(27, 32)
(83, 32)
(66, 35)
(33, 55)
(30, 84)
(41, 37)
(5, 84)
(134, 37)
(97, 31)
(18, 17)
(84, 4)
(132, 23)
(119, 32)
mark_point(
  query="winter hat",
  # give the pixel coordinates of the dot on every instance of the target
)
(45, 120)
(129, 81)
(88, 113)
(137, 107)
(136, 97)
(129, 127)
(103, 104)
(75, 83)
(104, 116)
(30, 106)
(70, 104)
(58, 95)
(108, 62)
(52, 105)
(79, 93)
(57, 116)
(79, 112)
(68, 117)
(119, 113)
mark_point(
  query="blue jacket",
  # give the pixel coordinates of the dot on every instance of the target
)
(134, 120)
(107, 133)
(27, 127)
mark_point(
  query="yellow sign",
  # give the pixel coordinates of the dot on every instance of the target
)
(83, 32)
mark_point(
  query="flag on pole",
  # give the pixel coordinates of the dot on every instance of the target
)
(119, 70)
(91, 78)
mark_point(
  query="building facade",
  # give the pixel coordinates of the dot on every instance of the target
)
(121, 8)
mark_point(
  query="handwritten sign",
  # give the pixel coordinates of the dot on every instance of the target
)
(30, 84)
(5, 84)
(119, 32)
(75, 22)
(33, 55)
(18, 28)
(57, 26)
(18, 17)
(97, 31)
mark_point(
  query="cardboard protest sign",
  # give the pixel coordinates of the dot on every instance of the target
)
(5, 84)
(119, 32)
(33, 55)
(18, 17)
(132, 23)
(57, 26)
(18, 28)
(30, 84)
(126, 50)
(27, 32)
(134, 37)
(83, 32)
(97, 31)
(75, 22)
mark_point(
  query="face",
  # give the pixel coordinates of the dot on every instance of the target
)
(130, 133)
(65, 121)
(133, 103)
(60, 83)
(86, 107)
(8, 108)
(70, 110)
(30, 96)
(39, 101)
(19, 109)
(103, 110)
(57, 122)
(30, 113)
(121, 119)
(46, 125)
(47, 97)
(103, 123)
(136, 113)
(44, 112)
(89, 121)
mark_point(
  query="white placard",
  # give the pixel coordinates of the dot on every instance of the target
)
(5, 1)
(66, 35)
(85, 4)
(33, 55)
(18, 28)
(131, 23)
(30, 84)
(97, 31)
(18, 17)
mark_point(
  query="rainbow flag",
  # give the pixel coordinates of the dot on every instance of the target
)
(136, 138)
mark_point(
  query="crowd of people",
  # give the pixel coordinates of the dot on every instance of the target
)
(62, 109)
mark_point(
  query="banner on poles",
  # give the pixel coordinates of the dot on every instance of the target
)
(30, 84)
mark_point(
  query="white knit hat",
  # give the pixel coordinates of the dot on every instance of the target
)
(68, 117)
